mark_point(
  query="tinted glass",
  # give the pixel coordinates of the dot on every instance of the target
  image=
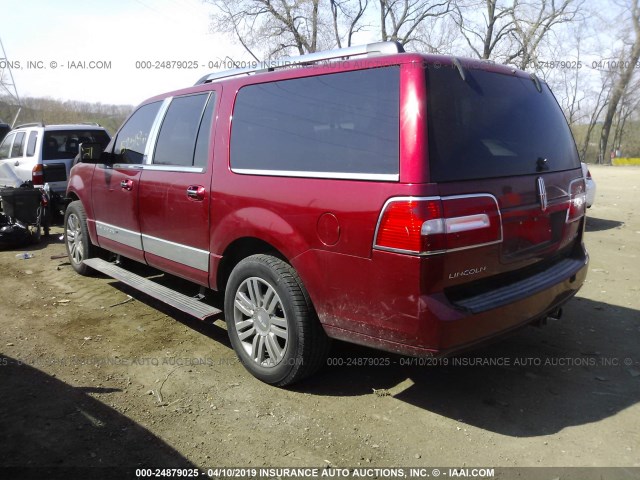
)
(200, 157)
(177, 137)
(338, 123)
(132, 137)
(64, 144)
(31, 144)
(493, 125)
(6, 146)
(16, 150)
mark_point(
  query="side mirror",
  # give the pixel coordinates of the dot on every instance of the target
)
(93, 153)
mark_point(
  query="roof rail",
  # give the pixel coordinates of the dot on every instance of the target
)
(370, 49)
(89, 123)
(32, 124)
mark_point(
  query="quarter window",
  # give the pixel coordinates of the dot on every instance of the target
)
(133, 136)
(31, 144)
(177, 138)
(343, 125)
(18, 143)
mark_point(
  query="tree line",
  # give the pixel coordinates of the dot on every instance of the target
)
(588, 52)
(50, 111)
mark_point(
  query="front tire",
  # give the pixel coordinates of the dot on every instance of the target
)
(76, 235)
(272, 325)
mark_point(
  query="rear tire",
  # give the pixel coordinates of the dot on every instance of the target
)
(271, 322)
(76, 238)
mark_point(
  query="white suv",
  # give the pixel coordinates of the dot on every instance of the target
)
(42, 154)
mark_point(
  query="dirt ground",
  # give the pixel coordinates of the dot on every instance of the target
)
(90, 377)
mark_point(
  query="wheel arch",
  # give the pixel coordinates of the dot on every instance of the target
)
(238, 250)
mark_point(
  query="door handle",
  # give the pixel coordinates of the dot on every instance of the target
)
(126, 184)
(196, 193)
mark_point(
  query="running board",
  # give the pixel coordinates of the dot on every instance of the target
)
(184, 303)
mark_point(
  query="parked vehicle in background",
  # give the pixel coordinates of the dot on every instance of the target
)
(418, 204)
(590, 185)
(35, 153)
(4, 129)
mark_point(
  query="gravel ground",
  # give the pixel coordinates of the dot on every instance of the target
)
(92, 377)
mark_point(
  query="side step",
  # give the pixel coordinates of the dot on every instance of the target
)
(184, 303)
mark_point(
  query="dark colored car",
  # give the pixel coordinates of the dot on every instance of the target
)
(413, 203)
(4, 129)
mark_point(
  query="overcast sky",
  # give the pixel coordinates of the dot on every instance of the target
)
(117, 31)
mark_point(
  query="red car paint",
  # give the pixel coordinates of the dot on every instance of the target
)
(326, 228)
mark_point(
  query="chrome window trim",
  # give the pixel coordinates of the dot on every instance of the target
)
(126, 166)
(173, 168)
(176, 252)
(385, 177)
(435, 252)
(150, 148)
(121, 235)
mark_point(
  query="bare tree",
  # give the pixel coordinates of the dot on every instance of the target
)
(277, 26)
(628, 62)
(598, 106)
(274, 28)
(629, 104)
(496, 26)
(347, 16)
(400, 20)
(532, 23)
(511, 31)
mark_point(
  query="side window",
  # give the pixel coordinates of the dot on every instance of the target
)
(18, 143)
(31, 144)
(342, 125)
(132, 138)
(5, 148)
(177, 136)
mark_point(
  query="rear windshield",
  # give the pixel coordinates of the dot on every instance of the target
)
(62, 144)
(493, 125)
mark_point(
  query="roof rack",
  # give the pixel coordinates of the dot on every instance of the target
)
(33, 124)
(89, 123)
(370, 49)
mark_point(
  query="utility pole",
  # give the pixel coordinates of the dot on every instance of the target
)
(8, 84)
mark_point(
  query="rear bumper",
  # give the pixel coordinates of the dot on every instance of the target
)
(441, 327)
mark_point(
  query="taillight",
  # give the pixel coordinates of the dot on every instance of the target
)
(435, 225)
(472, 221)
(577, 200)
(37, 175)
(588, 174)
(402, 221)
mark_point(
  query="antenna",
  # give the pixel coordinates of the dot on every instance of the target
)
(7, 83)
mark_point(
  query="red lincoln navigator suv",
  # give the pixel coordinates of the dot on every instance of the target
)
(418, 204)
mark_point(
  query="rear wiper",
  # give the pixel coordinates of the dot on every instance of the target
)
(541, 165)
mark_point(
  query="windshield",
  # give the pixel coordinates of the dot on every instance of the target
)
(493, 125)
(62, 144)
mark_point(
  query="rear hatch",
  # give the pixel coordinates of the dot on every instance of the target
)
(501, 134)
(60, 147)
